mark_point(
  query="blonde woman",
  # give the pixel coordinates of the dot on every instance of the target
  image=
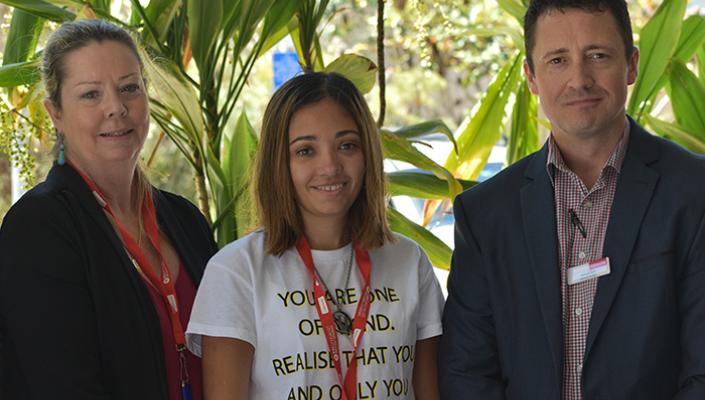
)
(98, 269)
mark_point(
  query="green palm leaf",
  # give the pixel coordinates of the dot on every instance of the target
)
(438, 252)
(657, 43)
(42, 9)
(480, 132)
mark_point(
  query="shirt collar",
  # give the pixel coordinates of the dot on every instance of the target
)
(555, 158)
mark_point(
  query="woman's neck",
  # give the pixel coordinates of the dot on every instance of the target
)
(116, 185)
(326, 235)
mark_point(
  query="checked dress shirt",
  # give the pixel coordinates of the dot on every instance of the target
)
(592, 207)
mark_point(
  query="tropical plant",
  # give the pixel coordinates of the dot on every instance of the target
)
(200, 54)
(194, 104)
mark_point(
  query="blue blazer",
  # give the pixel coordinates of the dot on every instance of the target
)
(502, 323)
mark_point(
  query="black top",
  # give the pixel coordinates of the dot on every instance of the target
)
(76, 319)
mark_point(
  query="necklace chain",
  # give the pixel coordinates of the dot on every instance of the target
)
(347, 278)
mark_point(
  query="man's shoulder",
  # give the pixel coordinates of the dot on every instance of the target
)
(679, 170)
(676, 159)
(503, 184)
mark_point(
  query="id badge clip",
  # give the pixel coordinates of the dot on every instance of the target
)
(593, 269)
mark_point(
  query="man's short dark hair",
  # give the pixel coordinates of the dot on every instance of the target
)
(618, 9)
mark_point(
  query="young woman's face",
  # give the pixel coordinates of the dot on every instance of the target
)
(326, 161)
(104, 113)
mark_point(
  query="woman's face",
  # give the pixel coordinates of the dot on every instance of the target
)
(104, 113)
(326, 161)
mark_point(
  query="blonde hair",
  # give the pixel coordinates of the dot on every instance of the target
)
(72, 36)
(273, 190)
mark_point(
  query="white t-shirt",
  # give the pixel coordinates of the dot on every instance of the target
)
(267, 301)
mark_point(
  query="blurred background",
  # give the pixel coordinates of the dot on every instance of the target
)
(443, 78)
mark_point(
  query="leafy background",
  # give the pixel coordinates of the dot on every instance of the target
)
(449, 70)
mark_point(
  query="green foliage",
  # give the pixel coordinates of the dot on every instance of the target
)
(523, 136)
(224, 39)
(399, 148)
(21, 73)
(25, 29)
(15, 139)
(483, 129)
(360, 70)
(310, 14)
(517, 8)
(657, 45)
(688, 139)
(421, 185)
(198, 104)
(687, 94)
(438, 252)
(692, 37)
(43, 9)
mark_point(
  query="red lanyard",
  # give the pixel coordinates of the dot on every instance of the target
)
(325, 314)
(165, 285)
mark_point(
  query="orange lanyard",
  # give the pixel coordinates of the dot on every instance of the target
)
(349, 384)
(164, 284)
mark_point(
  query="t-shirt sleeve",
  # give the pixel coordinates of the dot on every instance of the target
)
(430, 301)
(224, 305)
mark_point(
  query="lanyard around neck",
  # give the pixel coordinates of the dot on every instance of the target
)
(164, 284)
(349, 384)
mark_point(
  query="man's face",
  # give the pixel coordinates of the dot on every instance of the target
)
(580, 72)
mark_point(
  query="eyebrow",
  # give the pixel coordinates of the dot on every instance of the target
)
(554, 53)
(122, 78)
(564, 50)
(315, 138)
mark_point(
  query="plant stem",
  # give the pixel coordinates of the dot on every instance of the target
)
(380, 63)
(201, 191)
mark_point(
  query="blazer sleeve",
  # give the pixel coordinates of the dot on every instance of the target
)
(469, 365)
(47, 316)
(692, 311)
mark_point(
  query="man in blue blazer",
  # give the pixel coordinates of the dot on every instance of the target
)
(579, 271)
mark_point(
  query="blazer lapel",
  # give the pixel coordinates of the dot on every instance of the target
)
(539, 221)
(635, 188)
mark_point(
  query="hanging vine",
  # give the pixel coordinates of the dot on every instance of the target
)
(16, 135)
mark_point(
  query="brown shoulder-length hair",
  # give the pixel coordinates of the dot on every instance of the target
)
(274, 195)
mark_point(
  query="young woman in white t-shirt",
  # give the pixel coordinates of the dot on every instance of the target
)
(323, 301)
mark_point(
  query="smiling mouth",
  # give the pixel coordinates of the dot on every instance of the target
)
(330, 188)
(118, 133)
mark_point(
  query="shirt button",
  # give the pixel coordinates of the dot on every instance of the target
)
(579, 367)
(578, 311)
(581, 255)
(587, 204)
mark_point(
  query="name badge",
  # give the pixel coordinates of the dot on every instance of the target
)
(590, 270)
